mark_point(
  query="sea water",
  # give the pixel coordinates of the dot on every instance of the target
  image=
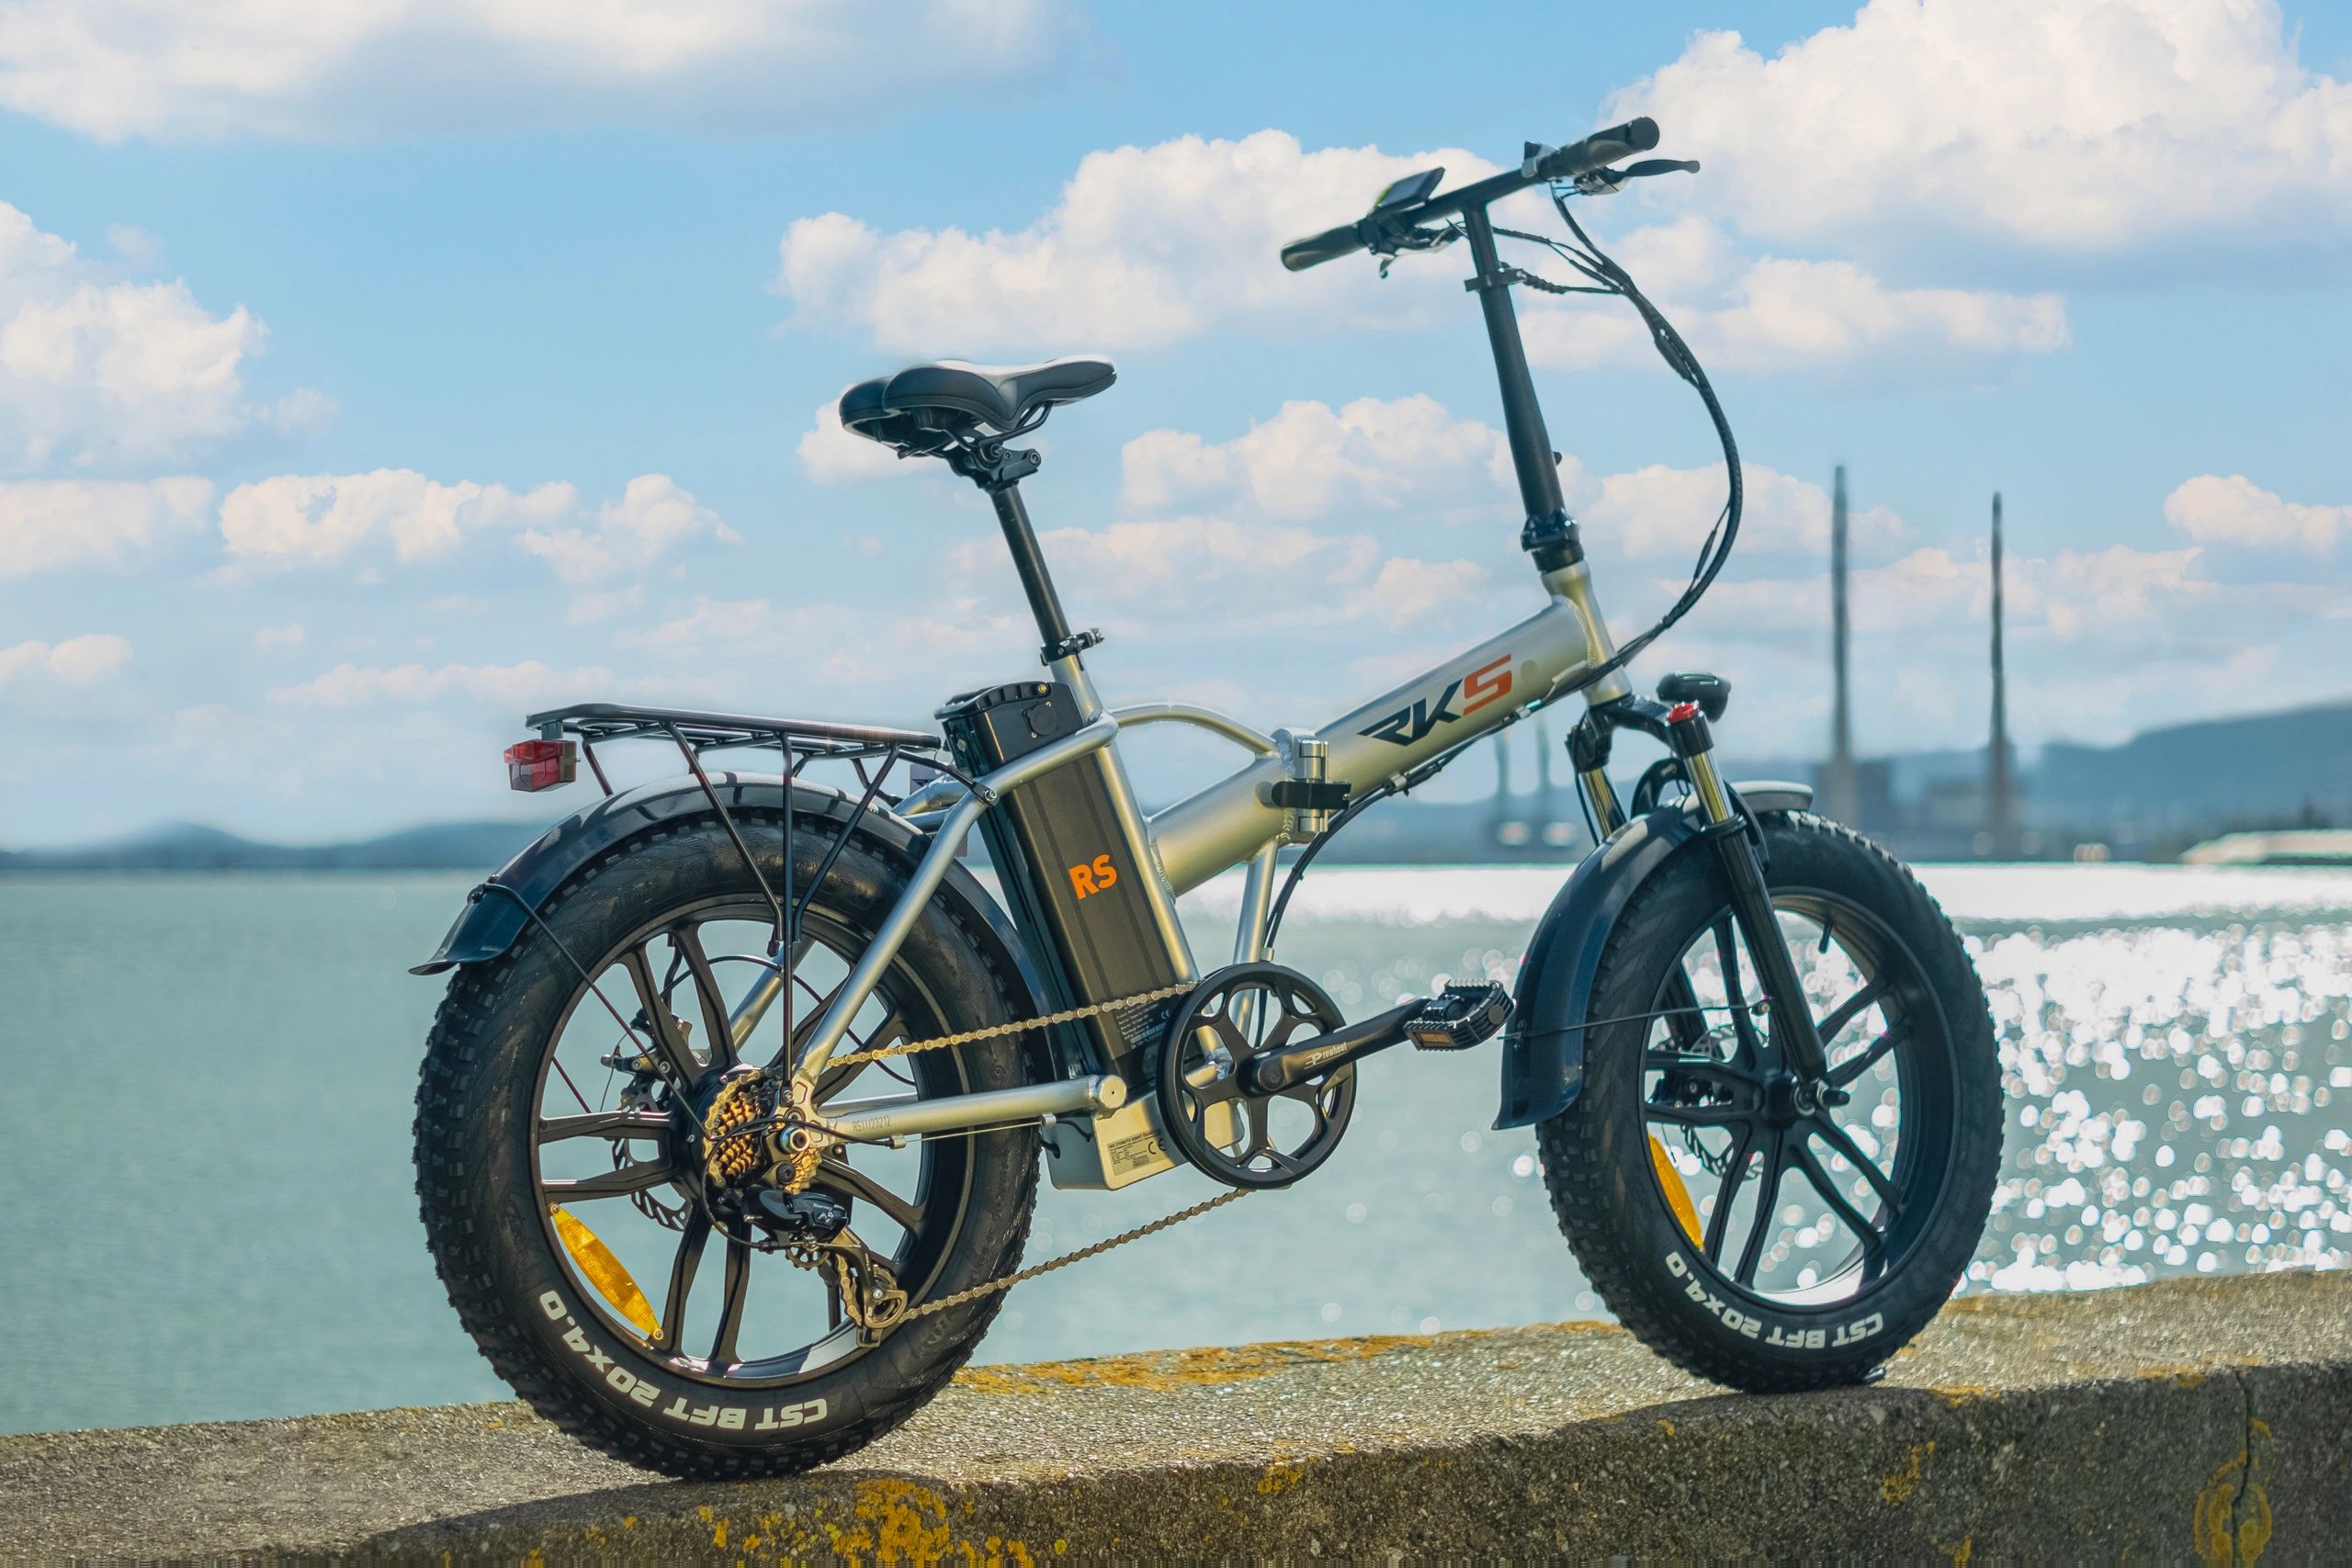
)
(206, 1204)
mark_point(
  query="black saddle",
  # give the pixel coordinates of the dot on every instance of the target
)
(925, 407)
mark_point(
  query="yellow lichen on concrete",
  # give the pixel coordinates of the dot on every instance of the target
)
(1956, 1394)
(1279, 1477)
(1961, 1551)
(1898, 1487)
(2232, 1519)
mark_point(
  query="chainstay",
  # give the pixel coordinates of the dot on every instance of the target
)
(1070, 1015)
(1080, 1255)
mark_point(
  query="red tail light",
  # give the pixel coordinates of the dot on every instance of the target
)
(541, 764)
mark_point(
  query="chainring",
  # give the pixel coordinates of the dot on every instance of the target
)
(1242, 1139)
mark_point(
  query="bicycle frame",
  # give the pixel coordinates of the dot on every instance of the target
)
(1233, 823)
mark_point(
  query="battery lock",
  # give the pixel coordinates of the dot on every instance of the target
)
(1308, 796)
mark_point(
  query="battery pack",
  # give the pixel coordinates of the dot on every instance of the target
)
(1073, 876)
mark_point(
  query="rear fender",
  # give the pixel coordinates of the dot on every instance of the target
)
(490, 920)
(1543, 1048)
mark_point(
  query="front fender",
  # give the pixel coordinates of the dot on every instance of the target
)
(489, 923)
(1543, 1047)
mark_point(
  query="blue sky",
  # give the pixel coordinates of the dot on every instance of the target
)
(371, 375)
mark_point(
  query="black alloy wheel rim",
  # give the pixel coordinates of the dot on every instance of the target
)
(1770, 1143)
(913, 1218)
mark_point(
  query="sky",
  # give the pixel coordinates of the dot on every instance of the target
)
(372, 375)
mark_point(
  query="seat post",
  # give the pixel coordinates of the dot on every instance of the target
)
(1013, 514)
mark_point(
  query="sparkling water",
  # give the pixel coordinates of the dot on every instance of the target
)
(208, 1208)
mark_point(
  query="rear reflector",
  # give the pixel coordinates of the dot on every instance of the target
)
(541, 764)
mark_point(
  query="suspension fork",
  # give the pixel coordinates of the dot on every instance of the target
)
(1589, 746)
(1751, 898)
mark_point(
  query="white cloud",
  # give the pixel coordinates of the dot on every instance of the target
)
(830, 454)
(1659, 511)
(114, 69)
(324, 519)
(98, 371)
(1309, 461)
(1775, 313)
(1146, 246)
(827, 647)
(76, 661)
(1151, 246)
(58, 524)
(279, 639)
(1407, 592)
(320, 519)
(2069, 125)
(501, 686)
(2213, 510)
(653, 517)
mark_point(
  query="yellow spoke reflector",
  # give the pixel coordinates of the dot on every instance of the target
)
(612, 1280)
(1678, 1197)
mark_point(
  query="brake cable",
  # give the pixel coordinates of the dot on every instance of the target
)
(1608, 278)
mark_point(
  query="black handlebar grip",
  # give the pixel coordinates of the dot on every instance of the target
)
(1316, 249)
(1601, 146)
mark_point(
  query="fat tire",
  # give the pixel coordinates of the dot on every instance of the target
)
(491, 1247)
(1597, 1164)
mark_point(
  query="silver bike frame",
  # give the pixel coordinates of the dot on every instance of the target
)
(1231, 823)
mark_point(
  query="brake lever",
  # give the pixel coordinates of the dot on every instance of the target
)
(1394, 240)
(1609, 182)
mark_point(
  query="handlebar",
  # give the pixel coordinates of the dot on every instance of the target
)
(1602, 148)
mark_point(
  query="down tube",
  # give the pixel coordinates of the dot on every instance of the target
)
(1459, 700)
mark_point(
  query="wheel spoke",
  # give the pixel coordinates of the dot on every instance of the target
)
(1837, 1139)
(1864, 1232)
(1735, 1175)
(1834, 1020)
(891, 1031)
(1701, 1115)
(682, 1282)
(716, 1030)
(1751, 1044)
(667, 1041)
(1767, 1198)
(846, 1181)
(617, 1183)
(1846, 1072)
(730, 1311)
(616, 1124)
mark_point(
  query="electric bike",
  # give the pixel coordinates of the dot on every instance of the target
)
(776, 1019)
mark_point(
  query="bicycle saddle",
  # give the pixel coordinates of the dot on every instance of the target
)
(905, 410)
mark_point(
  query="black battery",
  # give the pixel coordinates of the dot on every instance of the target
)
(1071, 874)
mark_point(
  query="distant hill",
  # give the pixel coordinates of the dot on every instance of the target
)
(2162, 789)
(191, 846)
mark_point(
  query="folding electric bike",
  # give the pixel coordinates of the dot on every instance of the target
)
(1758, 1061)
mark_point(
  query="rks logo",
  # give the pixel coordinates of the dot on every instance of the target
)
(1100, 877)
(1407, 727)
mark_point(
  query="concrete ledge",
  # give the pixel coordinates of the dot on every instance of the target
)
(2205, 1418)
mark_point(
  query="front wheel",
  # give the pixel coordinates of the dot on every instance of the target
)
(1758, 1230)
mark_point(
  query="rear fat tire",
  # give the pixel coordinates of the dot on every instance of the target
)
(1597, 1162)
(477, 1100)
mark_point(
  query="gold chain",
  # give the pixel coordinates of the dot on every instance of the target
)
(856, 1308)
(1072, 1015)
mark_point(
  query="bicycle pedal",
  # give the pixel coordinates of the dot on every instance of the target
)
(1459, 1017)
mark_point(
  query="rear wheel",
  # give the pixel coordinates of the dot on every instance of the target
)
(1760, 1231)
(578, 1255)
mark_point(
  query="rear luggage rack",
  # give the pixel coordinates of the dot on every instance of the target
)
(799, 743)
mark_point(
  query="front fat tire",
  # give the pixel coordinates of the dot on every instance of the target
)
(476, 1102)
(1597, 1161)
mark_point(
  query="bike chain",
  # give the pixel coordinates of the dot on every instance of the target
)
(858, 1311)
